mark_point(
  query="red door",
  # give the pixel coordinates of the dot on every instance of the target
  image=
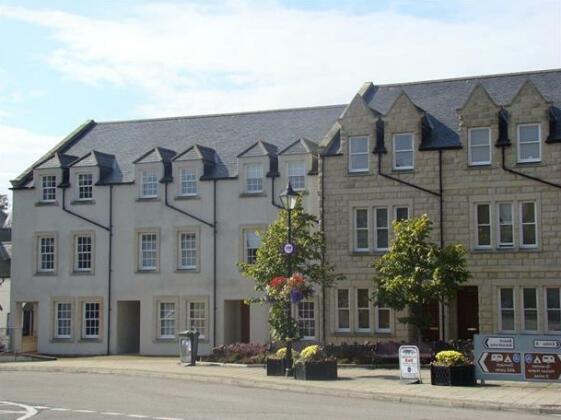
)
(245, 322)
(468, 312)
(432, 333)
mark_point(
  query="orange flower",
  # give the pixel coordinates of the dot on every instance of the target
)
(277, 281)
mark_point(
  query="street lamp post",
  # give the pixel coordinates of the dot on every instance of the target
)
(288, 200)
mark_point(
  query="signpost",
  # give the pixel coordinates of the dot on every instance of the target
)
(409, 365)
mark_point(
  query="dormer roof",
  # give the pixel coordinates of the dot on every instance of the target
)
(58, 160)
(157, 154)
(197, 152)
(300, 146)
(260, 148)
(95, 158)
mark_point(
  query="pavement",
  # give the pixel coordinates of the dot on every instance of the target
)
(376, 384)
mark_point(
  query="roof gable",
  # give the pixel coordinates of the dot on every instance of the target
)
(157, 154)
(358, 108)
(260, 148)
(300, 146)
(477, 94)
(58, 160)
(95, 158)
(528, 88)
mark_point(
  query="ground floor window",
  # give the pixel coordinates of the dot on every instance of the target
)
(197, 318)
(90, 320)
(63, 320)
(307, 319)
(506, 310)
(553, 303)
(383, 315)
(343, 310)
(530, 302)
(166, 320)
(363, 309)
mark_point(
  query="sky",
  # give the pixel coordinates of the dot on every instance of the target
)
(65, 62)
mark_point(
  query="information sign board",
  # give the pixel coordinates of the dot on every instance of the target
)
(410, 364)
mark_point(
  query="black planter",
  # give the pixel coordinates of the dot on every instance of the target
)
(316, 371)
(275, 367)
(452, 376)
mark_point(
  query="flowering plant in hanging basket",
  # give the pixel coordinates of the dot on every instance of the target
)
(282, 289)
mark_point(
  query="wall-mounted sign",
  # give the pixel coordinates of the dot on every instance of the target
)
(410, 365)
(288, 248)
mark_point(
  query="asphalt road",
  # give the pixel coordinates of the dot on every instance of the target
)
(45, 395)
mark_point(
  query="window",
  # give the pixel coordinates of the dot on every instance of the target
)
(553, 303)
(197, 318)
(506, 232)
(254, 178)
(189, 182)
(48, 188)
(252, 241)
(90, 320)
(63, 320)
(148, 252)
(166, 320)
(530, 304)
(307, 319)
(83, 253)
(343, 310)
(403, 151)
(401, 213)
(506, 297)
(479, 146)
(187, 250)
(529, 143)
(149, 184)
(381, 229)
(297, 175)
(85, 186)
(47, 254)
(483, 220)
(528, 225)
(383, 319)
(358, 154)
(363, 309)
(361, 230)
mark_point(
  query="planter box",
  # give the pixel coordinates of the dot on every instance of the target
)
(316, 371)
(452, 376)
(276, 367)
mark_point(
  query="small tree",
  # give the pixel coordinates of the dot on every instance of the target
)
(416, 271)
(271, 264)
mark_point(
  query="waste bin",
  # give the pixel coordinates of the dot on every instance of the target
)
(188, 346)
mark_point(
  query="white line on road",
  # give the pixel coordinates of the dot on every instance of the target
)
(85, 411)
(112, 413)
(27, 414)
(138, 416)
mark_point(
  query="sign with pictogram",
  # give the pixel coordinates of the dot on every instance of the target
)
(410, 364)
(500, 363)
(542, 366)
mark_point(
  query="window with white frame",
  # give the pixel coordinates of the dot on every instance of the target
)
(381, 229)
(553, 308)
(148, 184)
(358, 154)
(401, 213)
(252, 241)
(197, 317)
(506, 230)
(479, 140)
(343, 310)
(483, 221)
(361, 230)
(48, 188)
(506, 309)
(83, 252)
(189, 181)
(254, 178)
(383, 316)
(528, 224)
(363, 309)
(187, 250)
(307, 319)
(90, 320)
(63, 320)
(529, 143)
(403, 151)
(85, 186)
(297, 175)
(166, 320)
(46, 253)
(530, 306)
(148, 251)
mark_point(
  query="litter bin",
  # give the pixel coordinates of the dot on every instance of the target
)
(188, 346)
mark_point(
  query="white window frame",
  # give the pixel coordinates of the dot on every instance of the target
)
(246, 248)
(501, 244)
(357, 229)
(188, 185)
(534, 223)
(478, 224)
(46, 190)
(40, 254)
(85, 189)
(513, 309)
(539, 142)
(304, 322)
(381, 228)
(95, 320)
(78, 252)
(411, 150)
(342, 308)
(525, 309)
(250, 188)
(548, 309)
(141, 266)
(296, 169)
(377, 327)
(57, 319)
(471, 162)
(167, 318)
(358, 309)
(192, 322)
(149, 177)
(351, 154)
(194, 249)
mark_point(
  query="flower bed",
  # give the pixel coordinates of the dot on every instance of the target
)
(244, 353)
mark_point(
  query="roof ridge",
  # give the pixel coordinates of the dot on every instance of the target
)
(226, 114)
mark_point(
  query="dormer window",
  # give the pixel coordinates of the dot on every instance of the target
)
(297, 175)
(403, 151)
(149, 184)
(85, 186)
(529, 144)
(254, 178)
(48, 188)
(479, 146)
(188, 182)
(358, 154)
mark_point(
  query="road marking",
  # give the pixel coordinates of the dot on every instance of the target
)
(112, 413)
(85, 411)
(60, 409)
(27, 413)
(41, 407)
(166, 418)
(138, 416)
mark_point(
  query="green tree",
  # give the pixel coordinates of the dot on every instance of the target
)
(307, 259)
(416, 271)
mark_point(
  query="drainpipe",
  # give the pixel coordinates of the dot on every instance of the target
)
(533, 178)
(274, 204)
(322, 228)
(198, 219)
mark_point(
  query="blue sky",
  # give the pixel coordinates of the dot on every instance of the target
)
(63, 62)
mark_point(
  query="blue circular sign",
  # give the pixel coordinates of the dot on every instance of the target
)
(288, 248)
(528, 358)
(516, 358)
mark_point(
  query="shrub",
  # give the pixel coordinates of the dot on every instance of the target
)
(312, 353)
(246, 353)
(355, 353)
(281, 353)
(450, 358)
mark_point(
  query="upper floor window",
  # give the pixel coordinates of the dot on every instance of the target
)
(189, 181)
(83, 252)
(90, 320)
(149, 184)
(252, 241)
(403, 151)
(506, 230)
(401, 213)
(358, 154)
(187, 250)
(361, 230)
(47, 254)
(483, 220)
(528, 224)
(63, 320)
(479, 140)
(529, 143)
(307, 319)
(254, 178)
(297, 175)
(85, 186)
(148, 251)
(506, 308)
(553, 306)
(48, 188)
(166, 318)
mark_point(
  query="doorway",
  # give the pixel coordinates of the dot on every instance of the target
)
(236, 322)
(29, 328)
(128, 327)
(467, 303)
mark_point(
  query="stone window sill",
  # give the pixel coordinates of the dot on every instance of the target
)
(46, 203)
(187, 270)
(187, 197)
(359, 173)
(82, 273)
(154, 271)
(147, 199)
(45, 273)
(165, 340)
(527, 164)
(83, 202)
(90, 340)
(257, 194)
(61, 340)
